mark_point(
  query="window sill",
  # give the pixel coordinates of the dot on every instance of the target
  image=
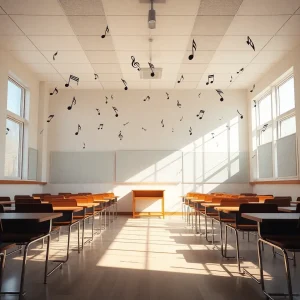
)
(276, 182)
(22, 182)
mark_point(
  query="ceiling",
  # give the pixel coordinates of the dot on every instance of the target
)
(33, 30)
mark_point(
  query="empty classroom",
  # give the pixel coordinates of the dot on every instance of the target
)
(149, 149)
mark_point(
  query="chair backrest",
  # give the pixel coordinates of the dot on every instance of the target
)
(63, 202)
(280, 201)
(248, 194)
(64, 194)
(298, 208)
(34, 208)
(57, 197)
(41, 195)
(22, 197)
(84, 194)
(27, 201)
(2, 209)
(236, 202)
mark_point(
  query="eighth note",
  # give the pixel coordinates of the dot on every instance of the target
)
(264, 127)
(201, 114)
(79, 128)
(181, 119)
(213, 135)
(106, 31)
(54, 91)
(50, 118)
(55, 55)
(220, 92)
(231, 79)
(240, 114)
(83, 146)
(72, 77)
(240, 71)
(126, 124)
(100, 126)
(162, 123)
(98, 110)
(250, 43)
(106, 100)
(211, 78)
(125, 83)
(181, 78)
(191, 131)
(144, 129)
(147, 98)
(194, 48)
(199, 95)
(116, 111)
(178, 104)
(254, 103)
(73, 103)
(151, 66)
(96, 76)
(167, 96)
(7, 131)
(253, 88)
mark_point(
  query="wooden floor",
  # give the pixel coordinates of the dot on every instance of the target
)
(147, 259)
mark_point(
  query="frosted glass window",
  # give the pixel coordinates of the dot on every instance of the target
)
(266, 136)
(286, 96)
(287, 126)
(265, 110)
(15, 98)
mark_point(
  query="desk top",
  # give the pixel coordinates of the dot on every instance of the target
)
(101, 200)
(7, 202)
(39, 217)
(67, 208)
(228, 209)
(210, 204)
(288, 209)
(198, 200)
(265, 217)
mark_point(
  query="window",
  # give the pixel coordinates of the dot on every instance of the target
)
(266, 136)
(265, 110)
(287, 127)
(15, 121)
(286, 96)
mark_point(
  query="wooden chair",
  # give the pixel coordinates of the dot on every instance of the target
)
(280, 201)
(2, 199)
(64, 194)
(248, 194)
(27, 201)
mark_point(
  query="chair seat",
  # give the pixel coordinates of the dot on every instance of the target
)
(199, 209)
(225, 220)
(245, 227)
(64, 223)
(286, 242)
(20, 237)
(55, 228)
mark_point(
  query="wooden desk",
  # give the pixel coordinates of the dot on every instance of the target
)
(228, 209)
(39, 217)
(142, 195)
(288, 209)
(210, 204)
(7, 202)
(67, 208)
(261, 217)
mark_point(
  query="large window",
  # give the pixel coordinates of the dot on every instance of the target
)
(14, 130)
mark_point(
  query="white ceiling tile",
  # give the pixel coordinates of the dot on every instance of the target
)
(221, 85)
(200, 57)
(283, 42)
(186, 85)
(239, 86)
(29, 57)
(258, 68)
(107, 68)
(231, 42)
(128, 25)
(268, 7)
(88, 85)
(211, 25)
(82, 7)
(66, 57)
(111, 77)
(130, 76)
(292, 26)
(96, 43)
(162, 84)
(56, 43)
(128, 69)
(51, 77)
(31, 7)
(142, 57)
(113, 85)
(206, 42)
(234, 57)
(74, 68)
(138, 85)
(224, 68)
(169, 68)
(298, 12)
(247, 77)
(2, 12)
(167, 76)
(86, 77)
(16, 43)
(88, 25)
(97, 57)
(170, 42)
(256, 25)
(56, 84)
(270, 57)
(42, 68)
(43, 25)
(8, 27)
(159, 57)
(219, 7)
(126, 43)
(192, 77)
(192, 68)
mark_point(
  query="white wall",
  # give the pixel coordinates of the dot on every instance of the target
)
(221, 155)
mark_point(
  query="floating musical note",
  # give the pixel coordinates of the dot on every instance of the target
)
(72, 77)
(96, 76)
(50, 118)
(240, 71)
(264, 127)
(106, 31)
(220, 92)
(116, 111)
(191, 131)
(147, 98)
(120, 136)
(100, 126)
(73, 103)
(54, 91)
(98, 110)
(7, 131)
(181, 119)
(112, 97)
(106, 100)
(213, 135)
(162, 123)
(201, 114)
(125, 83)
(231, 78)
(78, 130)
(55, 55)
(178, 104)
(181, 78)
(168, 97)
(228, 127)
(194, 48)
(172, 129)
(254, 103)
(253, 155)
(250, 43)
(126, 124)
(253, 88)
(41, 131)
(83, 146)
(144, 129)
(221, 119)
(151, 66)
(135, 64)
(210, 79)
(240, 114)
(199, 95)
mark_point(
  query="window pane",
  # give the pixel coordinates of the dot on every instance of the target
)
(286, 96)
(266, 136)
(12, 147)
(287, 126)
(14, 98)
(265, 111)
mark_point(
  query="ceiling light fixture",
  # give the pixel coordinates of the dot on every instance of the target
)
(152, 17)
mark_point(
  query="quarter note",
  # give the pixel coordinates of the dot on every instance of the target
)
(178, 104)
(240, 114)
(41, 131)
(162, 123)
(83, 146)
(116, 111)
(220, 92)
(144, 129)
(201, 114)
(210, 79)
(54, 91)
(240, 71)
(73, 103)
(168, 97)
(213, 135)
(194, 48)
(72, 77)
(135, 64)
(264, 127)
(147, 98)
(172, 129)
(79, 128)
(106, 100)
(231, 79)
(100, 126)
(50, 118)
(181, 78)
(191, 131)
(151, 66)
(96, 76)
(250, 43)
(253, 88)
(199, 95)
(125, 124)
(125, 83)
(7, 131)
(181, 119)
(98, 110)
(106, 31)
(55, 55)
(254, 103)
(120, 136)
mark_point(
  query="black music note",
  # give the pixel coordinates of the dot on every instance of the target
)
(72, 77)
(7, 130)
(125, 83)
(116, 111)
(41, 131)
(253, 88)
(54, 91)
(79, 128)
(213, 135)
(191, 131)
(106, 100)
(83, 146)
(100, 126)
(178, 104)
(126, 124)
(50, 118)
(181, 78)
(98, 110)
(162, 123)
(220, 118)
(240, 114)
(250, 43)
(106, 31)
(168, 97)
(147, 98)
(199, 95)
(172, 129)
(228, 127)
(55, 55)
(151, 66)
(231, 79)
(96, 76)
(211, 78)
(120, 136)
(73, 103)
(201, 114)
(135, 64)
(240, 71)
(254, 103)
(181, 119)
(112, 97)
(220, 92)
(194, 48)
(264, 127)
(144, 129)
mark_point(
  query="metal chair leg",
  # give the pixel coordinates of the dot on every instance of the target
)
(238, 250)
(47, 259)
